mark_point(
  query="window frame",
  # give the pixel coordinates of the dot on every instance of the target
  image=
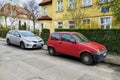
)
(84, 4)
(73, 4)
(104, 1)
(73, 24)
(87, 23)
(58, 26)
(45, 11)
(60, 5)
(105, 24)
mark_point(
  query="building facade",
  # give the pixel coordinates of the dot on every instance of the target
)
(11, 15)
(83, 14)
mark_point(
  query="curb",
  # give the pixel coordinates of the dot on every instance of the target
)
(110, 59)
(2, 39)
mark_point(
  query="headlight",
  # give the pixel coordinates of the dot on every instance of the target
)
(27, 40)
(98, 51)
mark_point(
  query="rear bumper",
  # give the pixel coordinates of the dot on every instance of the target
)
(99, 57)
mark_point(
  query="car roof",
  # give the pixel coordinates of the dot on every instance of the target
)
(66, 32)
(19, 30)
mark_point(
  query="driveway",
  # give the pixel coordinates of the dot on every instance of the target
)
(37, 64)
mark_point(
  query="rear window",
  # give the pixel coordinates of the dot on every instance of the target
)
(55, 36)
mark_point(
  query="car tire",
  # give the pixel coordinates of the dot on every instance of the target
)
(87, 59)
(52, 51)
(8, 42)
(22, 45)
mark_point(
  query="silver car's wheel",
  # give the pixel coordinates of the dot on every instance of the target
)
(22, 45)
(51, 51)
(8, 42)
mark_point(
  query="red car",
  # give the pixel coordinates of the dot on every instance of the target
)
(76, 44)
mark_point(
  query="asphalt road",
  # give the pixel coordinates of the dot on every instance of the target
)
(37, 64)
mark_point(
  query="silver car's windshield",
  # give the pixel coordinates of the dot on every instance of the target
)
(27, 34)
(80, 38)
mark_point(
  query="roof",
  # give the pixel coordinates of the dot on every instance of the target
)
(45, 2)
(45, 18)
(18, 11)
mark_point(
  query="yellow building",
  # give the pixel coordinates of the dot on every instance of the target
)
(84, 14)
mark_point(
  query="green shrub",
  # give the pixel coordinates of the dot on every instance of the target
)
(109, 37)
(45, 35)
(36, 32)
(3, 32)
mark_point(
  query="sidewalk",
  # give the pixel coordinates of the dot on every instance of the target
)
(110, 59)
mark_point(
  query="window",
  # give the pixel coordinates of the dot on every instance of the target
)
(86, 3)
(67, 38)
(60, 24)
(105, 22)
(71, 4)
(55, 36)
(104, 1)
(16, 33)
(105, 9)
(87, 22)
(59, 5)
(71, 24)
(45, 11)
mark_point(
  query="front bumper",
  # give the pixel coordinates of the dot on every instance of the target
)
(34, 45)
(98, 57)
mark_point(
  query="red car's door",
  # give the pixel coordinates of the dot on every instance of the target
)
(54, 41)
(68, 45)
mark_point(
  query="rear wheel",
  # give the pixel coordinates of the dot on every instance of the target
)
(87, 59)
(51, 51)
(8, 42)
(22, 45)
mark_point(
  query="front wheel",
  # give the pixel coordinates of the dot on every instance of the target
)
(22, 45)
(8, 42)
(51, 51)
(87, 59)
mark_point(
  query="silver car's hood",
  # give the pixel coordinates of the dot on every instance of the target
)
(36, 38)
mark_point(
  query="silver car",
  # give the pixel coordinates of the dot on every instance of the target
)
(24, 39)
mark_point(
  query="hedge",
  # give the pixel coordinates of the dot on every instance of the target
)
(45, 35)
(109, 37)
(3, 32)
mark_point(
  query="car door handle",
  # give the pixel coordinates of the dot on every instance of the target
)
(60, 42)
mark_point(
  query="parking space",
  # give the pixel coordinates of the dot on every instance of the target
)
(37, 64)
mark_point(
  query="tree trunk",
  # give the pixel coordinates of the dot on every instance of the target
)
(6, 21)
(33, 24)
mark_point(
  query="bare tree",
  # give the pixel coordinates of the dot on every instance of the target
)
(9, 12)
(33, 7)
(2, 2)
(76, 14)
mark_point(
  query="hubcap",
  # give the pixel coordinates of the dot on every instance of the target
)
(22, 45)
(51, 51)
(86, 58)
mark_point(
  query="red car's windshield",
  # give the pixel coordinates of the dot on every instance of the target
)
(80, 38)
